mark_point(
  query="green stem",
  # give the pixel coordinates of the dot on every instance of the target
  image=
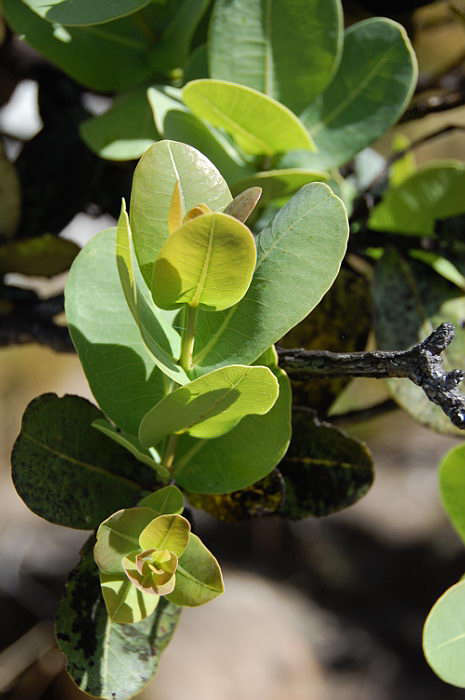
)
(188, 337)
(170, 451)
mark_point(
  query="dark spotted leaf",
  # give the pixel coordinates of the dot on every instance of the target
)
(106, 659)
(264, 497)
(69, 473)
(324, 470)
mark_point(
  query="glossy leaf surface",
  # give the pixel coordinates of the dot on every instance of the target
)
(452, 487)
(208, 263)
(434, 192)
(66, 471)
(426, 300)
(369, 92)
(241, 457)
(106, 659)
(84, 12)
(125, 131)
(324, 470)
(211, 405)
(198, 576)
(287, 51)
(259, 124)
(162, 166)
(444, 636)
(298, 258)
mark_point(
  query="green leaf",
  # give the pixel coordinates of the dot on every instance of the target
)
(207, 263)
(10, 193)
(186, 127)
(405, 166)
(125, 603)
(118, 536)
(162, 166)
(197, 64)
(166, 500)
(444, 636)
(244, 203)
(263, 498)
(106, 659)
(102, 58)
(434, 192)
(211, 405)
(66, 472)
(452, 487)
(198, 576)
(120, 370)
(289, 51)
(298, 258)
(324, 470)
(169, 532)
(155, 325)
(259, 124)
(426, 300)
(84, 12)
(241, 457)
(164, 99)
(374, 83)
(43, 256)
(125, 131)
(279, 183)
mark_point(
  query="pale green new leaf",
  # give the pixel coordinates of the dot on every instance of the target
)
(164, 99)
(298, 258)
(211, 405)
(118, 536)
(167, 500)
(169, 532)
(84, 12)
(259, 124)
(444, 636)
(371, 89)
(436, 191)
(162, 166)
(125, 131)
(125, 603)
(452, 487)
(208, 263)
(289, 51)
(198, 576)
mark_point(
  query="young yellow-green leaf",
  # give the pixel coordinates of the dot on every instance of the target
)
(169, 532)
(162, 100)
(125, 603)
(259, 124)
(125, 131)
(198, 576)
(444, 636)
(287, 50)
(211, 405)
(208, 262)
(156, 174)
(452, 487)
(405, 166)
(433, 192)
(372, 87)
(244, 203)
(84, 12)
(279, 183)
(167, 500)
(118, 536)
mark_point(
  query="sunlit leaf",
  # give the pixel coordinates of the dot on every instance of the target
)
(452, 487)
(169, 532)
(166, 500)
(198, 576)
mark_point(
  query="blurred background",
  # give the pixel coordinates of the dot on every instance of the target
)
(313, 610)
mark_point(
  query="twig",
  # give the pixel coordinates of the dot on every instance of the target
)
(422, 364)
(434, 104)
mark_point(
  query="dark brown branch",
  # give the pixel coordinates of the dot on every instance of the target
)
(422, 364)
(434, 104)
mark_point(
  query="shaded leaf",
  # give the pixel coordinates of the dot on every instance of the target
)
(118, 535)
(197, 64)
(259, 124)
(67, 472)
(425, 300)
(84, 12)
(413, 207)
(125, 131)
(265, 497)
(164, 99)
(43, 256)
(106, 659)
(198, 576)
(125, 603)
(324, 469)
(162, 166)
(375, 81)
(279, 183)
(452, 487)
(444, 636)
(288, 51)
(212, 404)
(166, 500)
